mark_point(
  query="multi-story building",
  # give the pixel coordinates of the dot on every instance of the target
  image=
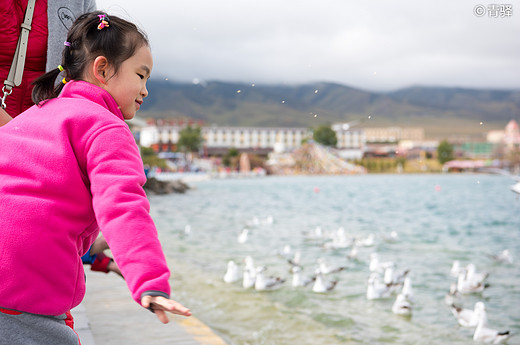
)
(393, 134)
(254, 137)
(351, 140)
(220, 139)
(512, 136)
(349, 137)
(506, 142)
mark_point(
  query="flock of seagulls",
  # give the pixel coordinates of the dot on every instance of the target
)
(477, 318)
(255, 276)
(378, 287)
(385, 279)
(470, 281)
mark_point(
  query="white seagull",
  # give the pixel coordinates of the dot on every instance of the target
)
(456, 268)
(353, 254)
(249, 273)
(369, 241)
(322, 286)
(474, 276)
(298, 280)
(317, 234)
(402, 306)
(453, 296)
(376, 289)
(339, 234)
(391, 237)
(287, 254)
(407, 290)
(465, 286)
(393, 277)
(504, 257)
(468, 317)
(286, 251)
(326, 269)
(249, 263)
(187, 230)
(232, 275)
(255, 221)
(487, 335)
(377, 266)
(248, 278)
(296, 260)
(242, 237)
(264, 283)
(515, 188)
(339, 240)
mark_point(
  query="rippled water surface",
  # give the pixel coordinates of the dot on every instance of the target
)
(438, 219)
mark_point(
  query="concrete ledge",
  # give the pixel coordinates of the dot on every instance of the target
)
(109, 316)
(82, 325)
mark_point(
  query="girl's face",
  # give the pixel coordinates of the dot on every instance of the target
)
(128, 85)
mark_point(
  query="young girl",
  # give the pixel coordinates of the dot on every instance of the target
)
(69, 166)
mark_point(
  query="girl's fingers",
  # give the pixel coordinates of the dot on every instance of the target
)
(161, 315)
(161, 304)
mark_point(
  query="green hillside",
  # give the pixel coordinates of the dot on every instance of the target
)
(443, 112)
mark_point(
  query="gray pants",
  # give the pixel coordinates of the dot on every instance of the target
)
(32, 329)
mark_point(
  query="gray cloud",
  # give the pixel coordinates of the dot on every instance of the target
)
(375, 45)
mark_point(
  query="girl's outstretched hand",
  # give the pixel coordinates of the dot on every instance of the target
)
(161, 305)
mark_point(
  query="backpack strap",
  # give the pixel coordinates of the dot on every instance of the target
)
(15, 73)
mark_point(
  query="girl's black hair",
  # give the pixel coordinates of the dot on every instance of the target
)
(117, 41)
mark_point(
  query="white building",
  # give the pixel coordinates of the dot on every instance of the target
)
(348, 137)
(393, 134)
(351, 141)
(226, 137)
(254, 137)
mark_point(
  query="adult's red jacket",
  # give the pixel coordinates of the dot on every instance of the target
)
(12, 13)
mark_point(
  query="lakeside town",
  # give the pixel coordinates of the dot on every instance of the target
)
(183, 147)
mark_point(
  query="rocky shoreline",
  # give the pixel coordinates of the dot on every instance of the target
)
(157, 187)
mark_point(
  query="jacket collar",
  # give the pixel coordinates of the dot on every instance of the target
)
(86, 90)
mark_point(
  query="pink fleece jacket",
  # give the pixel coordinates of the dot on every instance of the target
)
(67, 169)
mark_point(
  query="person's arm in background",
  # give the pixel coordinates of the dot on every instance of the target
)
(60, 16)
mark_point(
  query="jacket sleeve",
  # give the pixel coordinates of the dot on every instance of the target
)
(60, 16)
(116, 175)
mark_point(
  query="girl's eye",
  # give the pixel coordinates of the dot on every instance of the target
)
(140, 76)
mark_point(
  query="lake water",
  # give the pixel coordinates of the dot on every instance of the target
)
(438, 219)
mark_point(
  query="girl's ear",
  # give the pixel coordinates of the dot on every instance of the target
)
(100, 69)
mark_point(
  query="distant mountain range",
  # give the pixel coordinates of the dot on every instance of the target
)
(443, 112)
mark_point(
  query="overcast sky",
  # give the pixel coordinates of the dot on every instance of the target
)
(377, 45)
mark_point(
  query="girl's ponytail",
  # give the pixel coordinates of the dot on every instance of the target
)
(45, 86)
